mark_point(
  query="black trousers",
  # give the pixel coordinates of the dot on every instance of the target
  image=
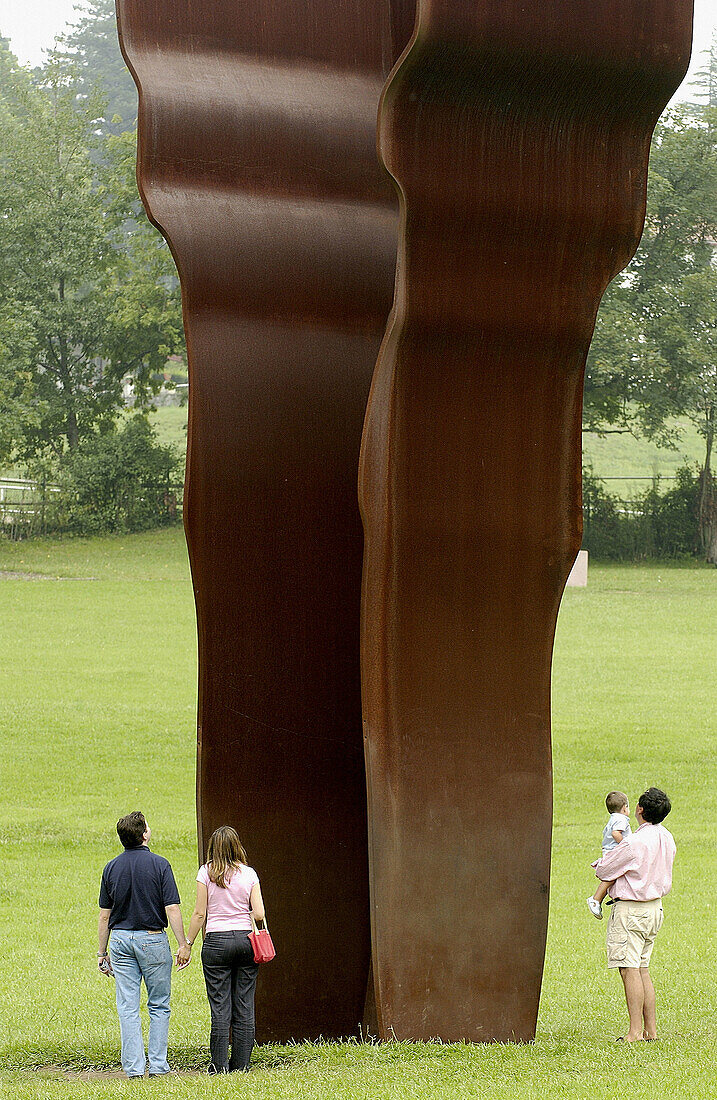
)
(230, 977)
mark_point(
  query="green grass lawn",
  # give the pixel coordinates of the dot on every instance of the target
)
(170, 424)
(618, 458)
(97, 681)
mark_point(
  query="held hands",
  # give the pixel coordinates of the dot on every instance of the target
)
(184, 955)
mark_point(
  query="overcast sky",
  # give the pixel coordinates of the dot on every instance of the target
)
(31, 26)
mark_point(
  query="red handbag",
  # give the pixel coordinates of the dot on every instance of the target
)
(261, 943)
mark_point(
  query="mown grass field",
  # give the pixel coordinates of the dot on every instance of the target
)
(97, 682)
(620, 458)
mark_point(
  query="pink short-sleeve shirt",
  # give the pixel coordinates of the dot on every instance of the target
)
(228, 907)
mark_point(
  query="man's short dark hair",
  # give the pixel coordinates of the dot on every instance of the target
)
(131, 829)
(655, 805)
(615, 801)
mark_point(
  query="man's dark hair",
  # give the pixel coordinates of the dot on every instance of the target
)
(655, 805)
(131, 829)
(615, 801)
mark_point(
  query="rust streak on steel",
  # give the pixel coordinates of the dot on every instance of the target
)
(518, 133)
(257, 161)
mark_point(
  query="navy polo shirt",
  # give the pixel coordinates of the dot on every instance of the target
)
(136, 886)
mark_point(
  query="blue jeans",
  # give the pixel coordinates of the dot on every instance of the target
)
(134, 956)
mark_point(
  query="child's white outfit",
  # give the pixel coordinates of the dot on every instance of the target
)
(616, 821)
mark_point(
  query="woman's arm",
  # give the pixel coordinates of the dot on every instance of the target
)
(199, 915)
(257, 902)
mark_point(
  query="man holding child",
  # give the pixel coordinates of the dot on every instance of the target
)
(639, 873)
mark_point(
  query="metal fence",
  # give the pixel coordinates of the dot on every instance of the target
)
(29, 509)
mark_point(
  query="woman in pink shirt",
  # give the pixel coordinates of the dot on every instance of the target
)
(228, 895)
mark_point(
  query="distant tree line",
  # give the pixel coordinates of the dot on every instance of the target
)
(89, 294)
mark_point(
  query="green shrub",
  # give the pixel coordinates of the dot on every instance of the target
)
(121, 481)
(654, 524)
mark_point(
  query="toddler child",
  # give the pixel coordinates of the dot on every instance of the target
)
(617, 828)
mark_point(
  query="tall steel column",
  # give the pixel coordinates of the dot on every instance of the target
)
(518, 135)
(257, 160)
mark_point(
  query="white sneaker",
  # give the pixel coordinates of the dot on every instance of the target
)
(595, 908)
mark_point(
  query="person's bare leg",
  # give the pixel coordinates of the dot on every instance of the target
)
(595, 902)
(648, 1004)
(601, 891)
(635, 997)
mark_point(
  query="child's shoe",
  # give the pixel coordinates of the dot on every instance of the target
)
(595, 908)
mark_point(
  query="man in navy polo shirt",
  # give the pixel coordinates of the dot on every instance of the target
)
(138, 897)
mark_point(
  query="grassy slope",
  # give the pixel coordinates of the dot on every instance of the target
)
(97, 679)
(170, 423)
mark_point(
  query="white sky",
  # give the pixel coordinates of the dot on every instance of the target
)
(31, 26)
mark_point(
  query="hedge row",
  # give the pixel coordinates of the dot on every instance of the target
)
(655, 524)
(126, 481)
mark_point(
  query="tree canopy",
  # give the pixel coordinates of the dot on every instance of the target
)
(88, 292)
(93, 46)
(653, 353)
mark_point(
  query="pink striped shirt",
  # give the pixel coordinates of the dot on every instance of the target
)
(641, 866)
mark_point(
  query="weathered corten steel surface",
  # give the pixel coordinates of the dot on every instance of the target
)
(518, 133)
(257, 160)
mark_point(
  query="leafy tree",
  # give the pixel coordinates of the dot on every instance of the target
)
(18, 413)
(93, 46)
(8, 62)
(628, 384)
(54, 249)
(16, 338)
(654, 354)
(83, 280)
(691, 375)
(146, 290)
(120, 481)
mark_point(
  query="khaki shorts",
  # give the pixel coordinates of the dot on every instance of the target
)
(631, 932)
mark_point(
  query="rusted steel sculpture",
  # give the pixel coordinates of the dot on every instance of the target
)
(518, 133)
(257, 160)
